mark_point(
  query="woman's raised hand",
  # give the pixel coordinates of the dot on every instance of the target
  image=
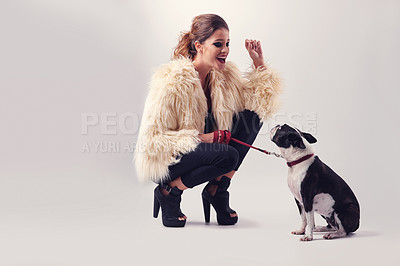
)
(255, 52)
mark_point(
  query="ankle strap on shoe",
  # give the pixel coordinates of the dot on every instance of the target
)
(167, 187)
(213, 182)
(222, 184)
(171, 190)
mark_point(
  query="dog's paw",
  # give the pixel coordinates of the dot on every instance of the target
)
(306, 238)
(329, 236)
(334, 235)
(298, 232)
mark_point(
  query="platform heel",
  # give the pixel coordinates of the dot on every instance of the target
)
(207, 210)
(170, 206)
(220, 202)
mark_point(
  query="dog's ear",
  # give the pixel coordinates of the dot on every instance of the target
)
(310, 138)
(296, 141)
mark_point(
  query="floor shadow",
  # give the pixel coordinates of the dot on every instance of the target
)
(246, 223)
(242, 223)
(363, 233)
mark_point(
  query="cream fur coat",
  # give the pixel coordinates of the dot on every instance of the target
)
(176, 107)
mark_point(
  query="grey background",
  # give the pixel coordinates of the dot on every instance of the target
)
(62, 204)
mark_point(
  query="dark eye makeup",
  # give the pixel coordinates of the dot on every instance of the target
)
(219, 44)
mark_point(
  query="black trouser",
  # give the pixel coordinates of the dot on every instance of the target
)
(210, 160)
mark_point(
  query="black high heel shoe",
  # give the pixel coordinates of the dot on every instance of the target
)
(170, 206)
(220, 202)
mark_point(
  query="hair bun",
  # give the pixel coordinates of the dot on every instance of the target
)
(203, 26)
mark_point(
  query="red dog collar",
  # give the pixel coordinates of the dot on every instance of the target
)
(302, 159)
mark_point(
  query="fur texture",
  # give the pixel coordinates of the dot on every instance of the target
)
(176, 107)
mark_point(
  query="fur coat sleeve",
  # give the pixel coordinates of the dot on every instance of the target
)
(172, 119)
(261, 91)
(176, 107)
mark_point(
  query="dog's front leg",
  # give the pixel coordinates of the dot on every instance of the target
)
(303, 219)
(310, 227)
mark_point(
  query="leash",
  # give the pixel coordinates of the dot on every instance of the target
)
(224, 136)
(261, 150)
(289, 164)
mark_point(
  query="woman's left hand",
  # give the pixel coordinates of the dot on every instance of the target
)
(255, 52)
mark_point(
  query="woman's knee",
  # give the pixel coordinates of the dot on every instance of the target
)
(219, 155)
(228, 158)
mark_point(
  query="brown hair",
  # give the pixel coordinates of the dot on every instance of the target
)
(203, 26)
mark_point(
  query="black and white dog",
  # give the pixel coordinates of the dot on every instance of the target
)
(316, 187)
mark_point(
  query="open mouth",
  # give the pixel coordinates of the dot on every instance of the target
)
(221, 60)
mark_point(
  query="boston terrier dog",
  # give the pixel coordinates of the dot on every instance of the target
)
(316, 187)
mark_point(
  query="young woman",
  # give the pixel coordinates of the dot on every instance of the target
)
(194, 103)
